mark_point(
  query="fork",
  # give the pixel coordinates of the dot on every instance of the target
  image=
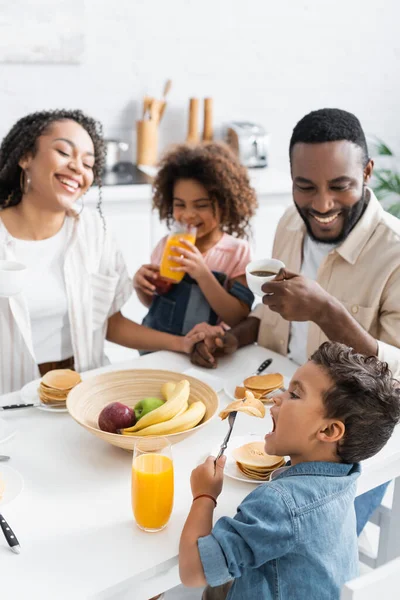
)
(231, 420)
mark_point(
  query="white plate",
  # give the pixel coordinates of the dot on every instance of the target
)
(231, 469)
(6, 433)
(232, 383)
(29, 394)
(216, 383)
(13, 484)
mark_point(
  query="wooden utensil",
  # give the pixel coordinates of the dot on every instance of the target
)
(155, 107)
(147, 100)
(167, 89)
(193, 128)
(208, 120)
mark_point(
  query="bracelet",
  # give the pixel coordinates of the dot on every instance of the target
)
(205, 496)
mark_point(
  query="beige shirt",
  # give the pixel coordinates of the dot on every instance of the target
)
(363, 273)
(97, 286)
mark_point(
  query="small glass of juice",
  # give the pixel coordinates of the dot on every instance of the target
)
(152, 483)
(178, 231)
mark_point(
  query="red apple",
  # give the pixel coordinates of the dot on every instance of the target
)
(116, 416)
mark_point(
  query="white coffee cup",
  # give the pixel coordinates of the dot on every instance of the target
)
(12, 277)
(255, 282)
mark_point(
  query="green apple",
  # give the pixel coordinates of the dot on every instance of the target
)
(146, 405)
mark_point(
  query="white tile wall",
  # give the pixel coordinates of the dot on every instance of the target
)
(266, 60)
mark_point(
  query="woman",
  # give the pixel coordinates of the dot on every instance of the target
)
(77, 279)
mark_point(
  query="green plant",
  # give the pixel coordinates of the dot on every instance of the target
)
(387, 182)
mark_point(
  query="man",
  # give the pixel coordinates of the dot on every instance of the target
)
(342, 257)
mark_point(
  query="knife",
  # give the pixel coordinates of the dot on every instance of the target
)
(13, 406)
(10, 536)
(264, 365)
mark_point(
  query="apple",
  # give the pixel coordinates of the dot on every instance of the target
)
(146, 405)
(116, 416)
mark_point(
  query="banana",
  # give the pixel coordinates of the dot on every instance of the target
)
(167, 389)
(189, 419)
(167, 411)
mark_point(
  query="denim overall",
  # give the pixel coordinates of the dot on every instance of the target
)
(185, 305)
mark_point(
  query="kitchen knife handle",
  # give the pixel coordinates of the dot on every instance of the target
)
(264, 365)
(9, 535)
(12, 406)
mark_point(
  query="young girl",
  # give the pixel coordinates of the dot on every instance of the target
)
(204, 186)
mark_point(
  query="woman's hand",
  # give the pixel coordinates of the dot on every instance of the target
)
(191, 261)
(144, 278)
(207, 479)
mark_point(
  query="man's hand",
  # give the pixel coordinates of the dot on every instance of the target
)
(206, 479)
(145, 277)
(294, 297)
(204, 353)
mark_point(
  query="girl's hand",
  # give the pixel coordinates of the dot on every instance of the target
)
(191, 260)
(206, 479)
(144, 278)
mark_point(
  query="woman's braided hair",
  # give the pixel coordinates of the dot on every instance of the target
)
(21, 140)
(218, 169)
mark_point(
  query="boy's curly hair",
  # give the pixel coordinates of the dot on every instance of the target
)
(217, 168)
(365, 397)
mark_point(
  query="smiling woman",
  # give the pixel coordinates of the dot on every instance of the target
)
(76, 280)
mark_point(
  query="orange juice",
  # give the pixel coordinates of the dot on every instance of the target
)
(152, 490)
(167, 263)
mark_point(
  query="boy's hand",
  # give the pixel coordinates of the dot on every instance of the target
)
(206, 479)
(191, 260)
(144, 278)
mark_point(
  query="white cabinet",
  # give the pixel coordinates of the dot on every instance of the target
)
(137, 229)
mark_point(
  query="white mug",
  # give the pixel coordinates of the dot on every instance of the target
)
(255, 282)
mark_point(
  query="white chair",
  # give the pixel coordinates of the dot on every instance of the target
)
(383, 582)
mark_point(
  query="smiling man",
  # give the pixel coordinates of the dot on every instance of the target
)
(342, 257)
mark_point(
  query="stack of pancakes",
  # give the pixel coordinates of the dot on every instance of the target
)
(255, 463)
(260, 385)
(56, 385)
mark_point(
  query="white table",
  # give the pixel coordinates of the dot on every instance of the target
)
(74, 520)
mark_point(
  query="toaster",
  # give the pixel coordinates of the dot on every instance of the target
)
(249, 141)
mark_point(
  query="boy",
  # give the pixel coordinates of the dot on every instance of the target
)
(295, 536)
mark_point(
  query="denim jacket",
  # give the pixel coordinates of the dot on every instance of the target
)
(293, 538)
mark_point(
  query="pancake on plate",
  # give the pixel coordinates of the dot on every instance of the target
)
(56, 385)
(255, 463)
(260, 385)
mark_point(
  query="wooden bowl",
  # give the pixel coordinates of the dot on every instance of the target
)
(87, 399)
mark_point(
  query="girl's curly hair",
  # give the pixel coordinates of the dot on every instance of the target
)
(21, 140)
(217, 168)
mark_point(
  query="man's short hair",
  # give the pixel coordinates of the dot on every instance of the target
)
(365, 397)
(329, 125)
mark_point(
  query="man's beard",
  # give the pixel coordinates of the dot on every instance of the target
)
(351, 216)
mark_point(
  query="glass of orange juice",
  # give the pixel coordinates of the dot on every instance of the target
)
(178, 231)
(152, 483)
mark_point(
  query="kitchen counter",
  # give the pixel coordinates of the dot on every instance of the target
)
(267, 182)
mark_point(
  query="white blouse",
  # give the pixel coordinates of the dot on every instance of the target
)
(97, 286)
(46, 295)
